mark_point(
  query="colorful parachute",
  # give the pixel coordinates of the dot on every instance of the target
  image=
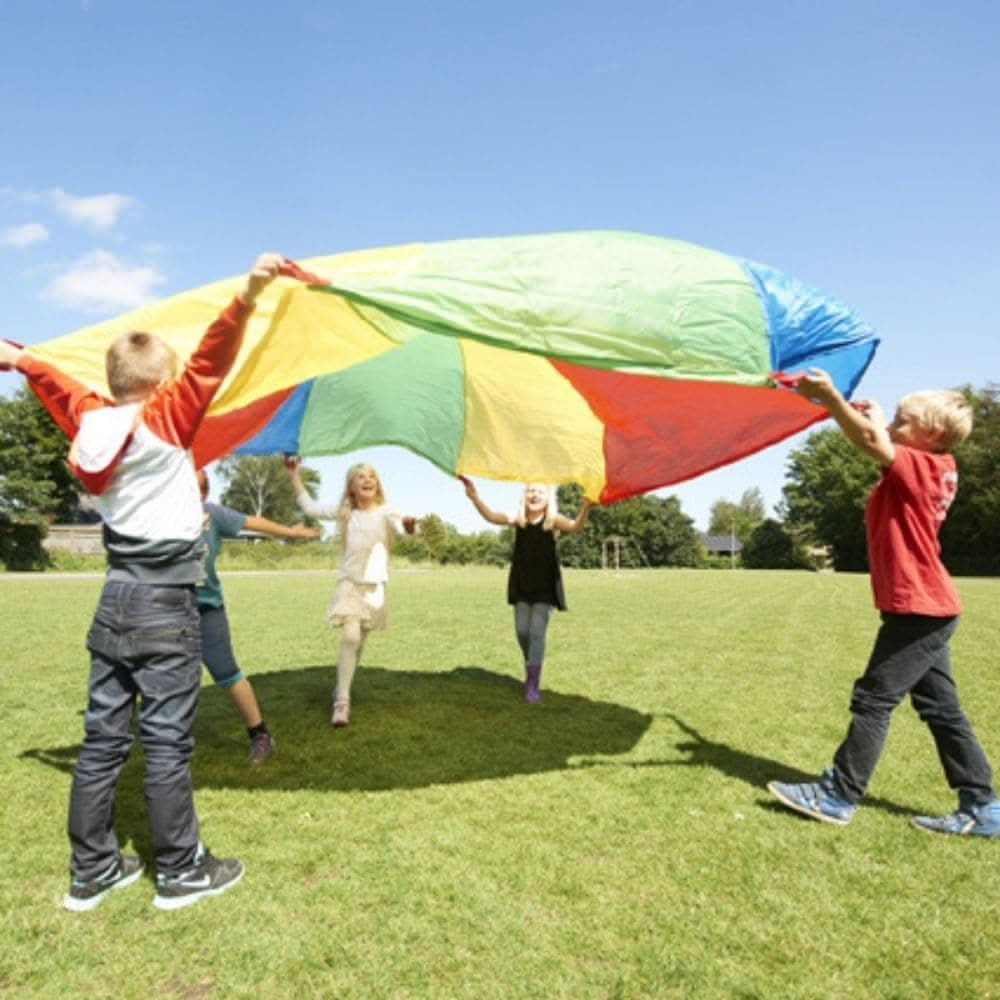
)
(620, 361)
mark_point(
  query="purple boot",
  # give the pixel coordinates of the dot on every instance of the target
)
(532, 681)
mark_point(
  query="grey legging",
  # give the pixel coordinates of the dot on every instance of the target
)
(530, 624)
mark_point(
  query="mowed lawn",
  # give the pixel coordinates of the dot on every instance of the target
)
(615, 841)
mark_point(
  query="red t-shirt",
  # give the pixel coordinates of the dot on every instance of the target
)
(902, 517)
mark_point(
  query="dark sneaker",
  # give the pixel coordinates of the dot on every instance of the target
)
(816, 799)
(261, 748)
(966, 821)
(85, 895)
(209, 877)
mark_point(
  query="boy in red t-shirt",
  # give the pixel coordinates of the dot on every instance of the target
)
(919, 608)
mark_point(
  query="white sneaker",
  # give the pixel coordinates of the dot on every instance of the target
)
(341, 713)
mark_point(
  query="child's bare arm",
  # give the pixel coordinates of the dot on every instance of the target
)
(863, 424)
(490, 515)
(268, 527)
(264, 271)
(564, 524)
(9, 355)
(292, 463)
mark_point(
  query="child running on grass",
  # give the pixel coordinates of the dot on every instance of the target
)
(216, 645)
(919, 607)
(131, 451)
(367, 526)
(534, 585)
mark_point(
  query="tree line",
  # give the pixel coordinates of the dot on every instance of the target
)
(819, 519)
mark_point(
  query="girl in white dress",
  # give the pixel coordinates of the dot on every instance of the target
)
(366, 526)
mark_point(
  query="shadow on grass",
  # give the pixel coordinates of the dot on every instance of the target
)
(408, 730)
(746, 767)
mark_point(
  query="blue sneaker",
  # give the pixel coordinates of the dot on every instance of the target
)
(816, 799)
(966, 821)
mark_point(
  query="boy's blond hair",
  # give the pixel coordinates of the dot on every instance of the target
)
(944, 412)
(137, 363)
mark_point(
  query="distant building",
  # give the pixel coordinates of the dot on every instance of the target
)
(721, 545)
(83, 539)
(87, 539)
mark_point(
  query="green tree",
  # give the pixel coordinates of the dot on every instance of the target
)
(652, 531)
(259, 485)
(824, 496)
(771, 546)
(741, 518)
(829, 480)
(970, 536)
(434, 534)
(34, 478)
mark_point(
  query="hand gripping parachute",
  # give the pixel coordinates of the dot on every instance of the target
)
(619, 361)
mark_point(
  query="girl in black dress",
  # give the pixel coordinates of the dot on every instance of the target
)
(534, 586)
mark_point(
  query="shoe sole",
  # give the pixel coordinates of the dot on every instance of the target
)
(971, 832)
(176, 902)
(75, 905)
(792, 804)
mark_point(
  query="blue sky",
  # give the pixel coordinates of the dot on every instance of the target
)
(151, 147)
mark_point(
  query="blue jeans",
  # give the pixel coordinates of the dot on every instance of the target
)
(530, 624)
(144, 641)
(911, 657)
(217, 647)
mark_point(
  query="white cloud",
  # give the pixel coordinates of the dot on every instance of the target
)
(19, 194)
(99, 211)
(22, 236)
(99, 282)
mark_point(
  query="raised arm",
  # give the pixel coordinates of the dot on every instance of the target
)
(863, 423)
(578, 523)
(490, 515)
(63, 397)
(10, 355)
(306, 503)
(177, 410)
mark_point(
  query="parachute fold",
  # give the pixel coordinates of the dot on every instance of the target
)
(619, 361)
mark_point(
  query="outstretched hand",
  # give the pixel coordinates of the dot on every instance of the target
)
(817, 386)
(9, 355)
(870, 409)
(265, 270)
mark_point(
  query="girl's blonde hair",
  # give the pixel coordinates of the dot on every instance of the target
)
(551, 510)
(347, 502)
(944, 412)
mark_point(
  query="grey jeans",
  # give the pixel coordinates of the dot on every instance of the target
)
(531, 622)
(144, 642)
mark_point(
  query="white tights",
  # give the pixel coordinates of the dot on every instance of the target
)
(352, 641)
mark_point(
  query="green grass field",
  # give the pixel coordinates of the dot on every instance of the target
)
(615, 841)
